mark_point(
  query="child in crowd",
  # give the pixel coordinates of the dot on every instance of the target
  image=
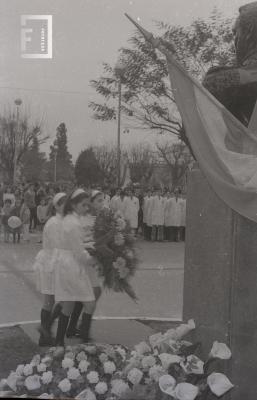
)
(16, 232)
(6, 213)
(25, 219)
(42, 217)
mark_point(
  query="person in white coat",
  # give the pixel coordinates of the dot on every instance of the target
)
(146, 215)
(157, 216)
(131, 208)
(183, 218)
(167, 217)
(175, 217)
(115, 201)
(72, 282)
(44, 267)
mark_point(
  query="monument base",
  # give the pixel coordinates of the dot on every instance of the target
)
(220, 282)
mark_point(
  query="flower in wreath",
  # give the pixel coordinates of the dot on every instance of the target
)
(28, 370)
(32, 382)
(109, 367)
(35, 360)
(123, 272)
(167, 384)
(135, 376)
(148, 362)
(142, 348)
(121, 224)
(220, 350)
(193, 365)
(20, 369)
(11, 381)
(73, 374)
(67, 363)
(119, 239)
(41, 367)
(93, 377)
(156, 372)
(83, 366)
(168, 359)
(47, 377)
(119, 387)
(86, 394)
(101, 388)
(47, 360)
(90, 349)
(70, 355)
(81, 356)
(103, 358)
(65, 385)
(119, 263)
(130, 254)
(121, 352)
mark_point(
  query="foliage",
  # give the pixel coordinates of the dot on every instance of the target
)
(34, 163)
(114, 248)
(18, 134)
(165, 367)
(87, 169)
(147, 99)
(59, 150)
(106, 157)
(141, 162)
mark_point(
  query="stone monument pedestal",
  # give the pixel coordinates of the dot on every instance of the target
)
(220, 283)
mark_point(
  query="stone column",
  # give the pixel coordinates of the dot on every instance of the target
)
(220, 283)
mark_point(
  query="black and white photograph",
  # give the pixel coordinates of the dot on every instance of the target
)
(128, 199)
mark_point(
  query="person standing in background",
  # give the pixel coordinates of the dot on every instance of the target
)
(183, 217)
(131, 208)
(42, 216)
(9, 195)
(6, 213)
(146, 215)
(157, 216)
(107, 198)
(115, 200)
(175, 216)
(29, 198)
(16, 211)
(25, 219)
(168, 217)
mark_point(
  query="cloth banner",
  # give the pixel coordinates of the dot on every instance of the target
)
(233, 176)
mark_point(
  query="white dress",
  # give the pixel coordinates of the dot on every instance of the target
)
(157, 211)
(46, 258)
(72, 282)
(131, 208)
(175, 217)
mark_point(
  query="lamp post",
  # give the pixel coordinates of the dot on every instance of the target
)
(119, 72)
(18, 103)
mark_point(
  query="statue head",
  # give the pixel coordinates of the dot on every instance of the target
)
(245, 31)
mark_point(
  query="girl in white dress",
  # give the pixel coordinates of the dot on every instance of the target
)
(72, 282)
(44, 267)
(88, 221)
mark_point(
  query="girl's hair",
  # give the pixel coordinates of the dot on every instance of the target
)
(95, 194)
(73, 201)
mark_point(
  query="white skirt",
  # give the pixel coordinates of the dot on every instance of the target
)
(71, 280)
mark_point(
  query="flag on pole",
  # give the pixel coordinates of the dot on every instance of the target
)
(209, 125)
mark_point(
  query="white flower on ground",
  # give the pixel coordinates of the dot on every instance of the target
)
(73, 374)
(90, 349)
(156, 372)
(93, 377)
(81, 356)
(47, 360)
(168, 359)
(193, 365)
(155, 339)
(119, 387)
(11, 381)
(103, 358)
(186, 391)
(135, 376)
(167, 384)
(67, 363)
(28, 370)
(220, 350)
(83, 366)
(35, 360)
(101, 388)
(219, 383)
(109, 367)
(65, 385)
(58, 352)
(143, 348)
(32, 382)
(148, 362)
(41, 367)
(19, 369)
(122, 352)
(86, 394)
(47, 377)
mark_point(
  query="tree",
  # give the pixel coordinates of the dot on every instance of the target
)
(17, 135)
(87, 169)
(141, 162)
(147, 99)
(177, 158)
(34, 163)
(106, 157)
(60, 157)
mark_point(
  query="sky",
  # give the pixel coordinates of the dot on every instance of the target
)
(86, 33)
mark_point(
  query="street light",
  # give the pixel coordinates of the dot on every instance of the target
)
(18, 103)
(119, 72)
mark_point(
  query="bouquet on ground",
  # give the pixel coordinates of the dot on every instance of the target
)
(114, 248)
(165, 367)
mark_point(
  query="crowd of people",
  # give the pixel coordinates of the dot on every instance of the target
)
(155, 214)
